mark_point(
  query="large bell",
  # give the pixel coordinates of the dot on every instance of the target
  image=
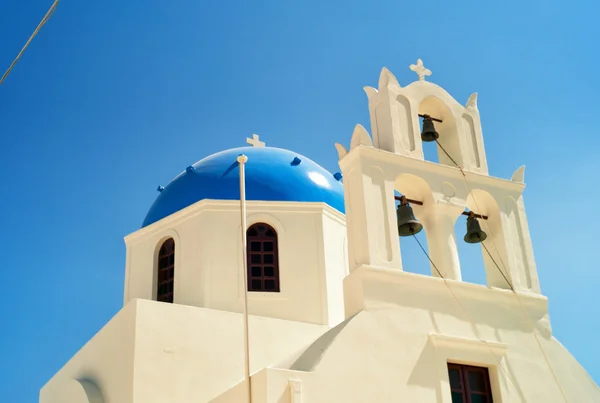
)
(428, 133)
(407, 223)
(474, 232)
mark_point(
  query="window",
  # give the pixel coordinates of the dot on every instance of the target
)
(262, 257)
(166, 271)
(469, 384)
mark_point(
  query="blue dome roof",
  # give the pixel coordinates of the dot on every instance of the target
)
(272, 174)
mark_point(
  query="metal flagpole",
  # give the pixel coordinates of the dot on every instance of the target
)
(242, 159)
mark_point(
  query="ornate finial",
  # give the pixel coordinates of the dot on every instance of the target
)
(519, 175)
(386, 78)
(341, 150)
(420, 70)
(255, 142)
(472, 101)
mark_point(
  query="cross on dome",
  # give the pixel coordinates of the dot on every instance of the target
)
(420, 70)
(255, 141)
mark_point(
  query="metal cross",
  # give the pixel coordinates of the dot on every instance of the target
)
(420, 70)
(255, 142)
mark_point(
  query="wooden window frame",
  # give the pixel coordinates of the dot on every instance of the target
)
(256, 251)
(165, 271)
(465, 388)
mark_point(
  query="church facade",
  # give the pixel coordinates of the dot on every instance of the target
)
(333, 317)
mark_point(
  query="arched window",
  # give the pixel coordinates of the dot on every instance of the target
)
(262, 257)
(166, 271)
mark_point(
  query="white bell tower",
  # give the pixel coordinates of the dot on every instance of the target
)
(393, 161)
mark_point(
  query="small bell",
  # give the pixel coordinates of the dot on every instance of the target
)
(428, 134)
(407, 223)
(474, 232)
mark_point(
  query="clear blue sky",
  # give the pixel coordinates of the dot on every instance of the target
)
(116, 97)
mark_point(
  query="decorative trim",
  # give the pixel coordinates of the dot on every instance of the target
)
(464, 344)
(341, 150)
(231, 205)
(472, 101)
(401, 162)
(488, 354)
(360, 137)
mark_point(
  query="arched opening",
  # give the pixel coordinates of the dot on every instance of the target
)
(493, 268)
(262, 254)
(446, 150)
(430, 149)
(414, 259)
(471, 263)
(166, 271)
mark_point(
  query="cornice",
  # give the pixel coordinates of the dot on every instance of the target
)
(252, 206)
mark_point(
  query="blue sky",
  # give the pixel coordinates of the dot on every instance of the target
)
(116, 97)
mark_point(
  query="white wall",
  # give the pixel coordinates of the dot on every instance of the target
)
(334, 247)
(186, 354)
(106, 361)
(397, 348)
(153, 352)
(208, 259)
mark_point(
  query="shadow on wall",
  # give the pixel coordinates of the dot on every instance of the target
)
(311, 357)
(507, 367)
(421, 374)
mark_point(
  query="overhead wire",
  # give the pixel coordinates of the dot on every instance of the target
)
(40, 25)
(509, 283)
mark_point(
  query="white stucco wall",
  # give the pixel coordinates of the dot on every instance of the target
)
(186, 354)
(334, 248)
(106, 361)
(398, 347)
(154, 352)
(208, 259)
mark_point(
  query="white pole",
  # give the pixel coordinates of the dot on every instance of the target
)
(242, 159)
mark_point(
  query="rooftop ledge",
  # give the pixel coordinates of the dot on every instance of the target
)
(370, 287)
(252, 206)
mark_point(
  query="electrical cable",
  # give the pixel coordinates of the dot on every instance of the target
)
(40, 25)
(509, 283)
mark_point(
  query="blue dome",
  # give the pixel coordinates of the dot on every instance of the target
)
(272, 174)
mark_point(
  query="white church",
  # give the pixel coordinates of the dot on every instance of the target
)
(317, 307)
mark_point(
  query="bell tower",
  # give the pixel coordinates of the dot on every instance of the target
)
(395, 113)
(436, 193)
